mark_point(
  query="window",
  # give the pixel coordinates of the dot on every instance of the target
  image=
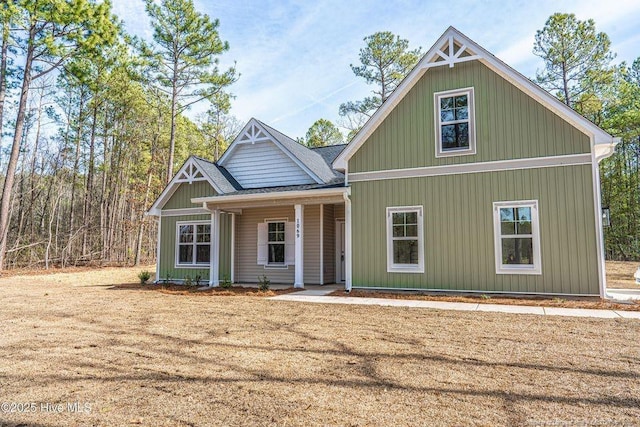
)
(276, 243)
(455, 127)
(517, 237)
(193, 244)
(405, 246)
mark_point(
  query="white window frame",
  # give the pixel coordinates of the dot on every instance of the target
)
(405, 268)
(501, 268)
(437, 96)
(193, 263)
(284, 262)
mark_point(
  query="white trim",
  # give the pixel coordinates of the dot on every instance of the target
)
(488, 59)
(479, 167)
(536, 267)
(471, 122)
(184, 211)
(233, 248)
(348, 260)
(405, 268)
(176, 246)
(321, 244)
(158, 249)
(468, 291)
(214, 257)
(276, 195)
(338, 250)
(299, 246)
(255, 123)
(597, 201)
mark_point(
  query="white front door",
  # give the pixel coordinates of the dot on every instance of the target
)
(340, 254)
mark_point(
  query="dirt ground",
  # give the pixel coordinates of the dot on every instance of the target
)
(127, 356)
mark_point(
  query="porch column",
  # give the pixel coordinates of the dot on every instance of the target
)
(233, 248)
(299, 245)
(214, 255)
(347, 243)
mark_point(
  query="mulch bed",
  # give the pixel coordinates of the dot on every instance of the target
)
(586, 302)
(175, 289)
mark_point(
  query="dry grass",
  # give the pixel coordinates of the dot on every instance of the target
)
(149, 358)
(620, 274)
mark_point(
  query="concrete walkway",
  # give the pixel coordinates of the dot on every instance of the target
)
(320, 295)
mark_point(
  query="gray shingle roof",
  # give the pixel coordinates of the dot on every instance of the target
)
(223, 179)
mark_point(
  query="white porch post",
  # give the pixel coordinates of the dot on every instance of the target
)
(299, 246)
(214, 268)
(158, 249)
(347, 243)
(233, 248)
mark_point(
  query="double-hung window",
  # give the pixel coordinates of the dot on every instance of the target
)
(193, 243)
(276, 243)
(517, 237)
(405, 242)
(455, 127)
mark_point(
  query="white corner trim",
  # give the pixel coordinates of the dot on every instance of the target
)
(233, 248)
(405, 268)
(469, 91)
(479, 167)
(158, 249)
(536, 268)
(348, 280)
(597, 202)
(321, 244)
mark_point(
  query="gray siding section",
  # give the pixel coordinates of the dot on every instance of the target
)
(459, 232)
(264, 164)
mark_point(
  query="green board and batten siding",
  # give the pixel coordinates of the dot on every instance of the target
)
(509, 124)
(458, 209)
(181, 199)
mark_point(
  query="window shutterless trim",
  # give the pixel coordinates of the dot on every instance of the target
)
(405, 268)
(469, 91)
(501, 268)
(192, 264)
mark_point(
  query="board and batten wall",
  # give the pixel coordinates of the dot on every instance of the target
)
(458, 209)
(181, 199)
(509, 124)
(459, 232)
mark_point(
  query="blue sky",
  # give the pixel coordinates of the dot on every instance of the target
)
(294, 56)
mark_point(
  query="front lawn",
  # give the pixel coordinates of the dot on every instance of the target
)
(150, 358)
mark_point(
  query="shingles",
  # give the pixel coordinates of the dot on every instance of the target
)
(222, 178)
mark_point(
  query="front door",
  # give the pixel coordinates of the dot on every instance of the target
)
(340, 238)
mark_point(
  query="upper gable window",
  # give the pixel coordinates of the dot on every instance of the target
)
(455, 124)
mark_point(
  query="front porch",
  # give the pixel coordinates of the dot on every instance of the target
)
(292, 238)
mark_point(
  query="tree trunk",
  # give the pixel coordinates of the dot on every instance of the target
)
(3, 69)
(172, 140)
(15, 150)
(89, 186)
(74, 177)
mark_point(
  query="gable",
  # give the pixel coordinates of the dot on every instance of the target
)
(257, 159)
(509, 124)
(263, 164)
(454, 49)
(181, 197)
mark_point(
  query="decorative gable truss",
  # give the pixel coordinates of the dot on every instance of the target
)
(189, 173)
(451, 52)
(254, 133)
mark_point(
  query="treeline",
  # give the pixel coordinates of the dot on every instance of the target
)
(96, 120)
(94, 116)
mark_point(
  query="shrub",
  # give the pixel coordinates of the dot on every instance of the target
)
(187, 281)
(264, 283)
(144, 277)
(226, 282)
(198, 279)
